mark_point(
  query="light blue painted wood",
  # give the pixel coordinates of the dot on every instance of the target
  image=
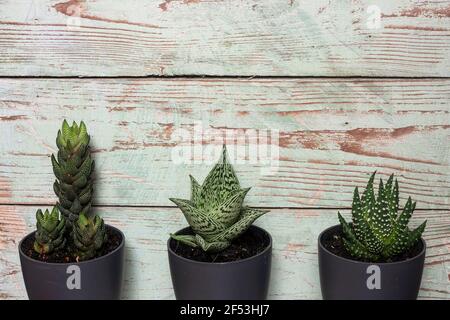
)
(190, 37)
(294, 270)
(332, 134)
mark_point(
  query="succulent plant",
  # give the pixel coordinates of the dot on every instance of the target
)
(377, 230)
(215, 211)
(50, 229)
(89, 235)
(82, 233)
(73, 168)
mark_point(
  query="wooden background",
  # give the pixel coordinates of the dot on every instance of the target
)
(346, 98)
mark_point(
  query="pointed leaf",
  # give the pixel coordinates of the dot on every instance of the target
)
(416, 234)
(219, 184)
(80, 182)
(189, 240)
(215, 246)
(65, 130)
(229, 211)
(248, 216)
(195, 190)
(199, 221)
(60, 142)
(359, 251)
(56, 168)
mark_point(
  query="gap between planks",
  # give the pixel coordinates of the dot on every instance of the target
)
(237, 76)
(174, 207)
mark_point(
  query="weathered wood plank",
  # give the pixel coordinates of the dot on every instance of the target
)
(331, 135)
(294, 274)
(178, 37)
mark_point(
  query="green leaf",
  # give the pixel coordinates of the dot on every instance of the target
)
(56, 168)
(229, 210)
(186, 239)
(358, 250)
(76, 207)
(248, 216)
(86, 166)
(195, 190)
(85, 197)
(416, 234)
(81, 182)
(380, 220)
(83, 129)
(215, 246)
(220, 183)
(199, 221)
(60, 142)
(65, 130)
(403, 218)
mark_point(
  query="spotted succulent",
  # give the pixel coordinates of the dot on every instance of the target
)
(49, 236)
(215, 211)
(73, 168)
(88, 235)
(377, 230)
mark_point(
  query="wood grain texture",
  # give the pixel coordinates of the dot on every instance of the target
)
(215, 37)
(332, 135)
(294, 270)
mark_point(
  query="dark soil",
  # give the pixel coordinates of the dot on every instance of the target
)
(65, 256)
(249, 244)
(333, 242)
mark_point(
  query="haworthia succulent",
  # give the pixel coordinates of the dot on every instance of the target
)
(83, 234)
(73, 169)
(377, 230)
(50, 229)
(215, 211)
(88, 235)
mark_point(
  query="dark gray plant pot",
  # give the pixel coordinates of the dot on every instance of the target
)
(99, 279)
(246, 279)
(346, 279)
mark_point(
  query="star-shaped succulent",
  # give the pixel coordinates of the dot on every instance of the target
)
(50, 229)
(215, 211)
(88, 235)
(377, 230)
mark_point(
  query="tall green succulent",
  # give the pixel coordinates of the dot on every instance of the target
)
(73, 168)
(83, 234)
(215, 211)
(88, 235)
(50, 229)
(377, 230)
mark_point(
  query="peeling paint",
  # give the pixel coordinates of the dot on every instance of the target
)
(68, 8)
(422, 11)
(13, 118)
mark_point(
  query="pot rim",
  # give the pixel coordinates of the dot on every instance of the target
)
(418, 256)
(119, 247)
(268, 248)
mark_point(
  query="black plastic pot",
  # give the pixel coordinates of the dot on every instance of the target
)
(246, 279)
(96, 279)
(342, 278)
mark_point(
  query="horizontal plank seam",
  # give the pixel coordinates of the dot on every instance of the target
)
(195, 76)
(174, 207)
